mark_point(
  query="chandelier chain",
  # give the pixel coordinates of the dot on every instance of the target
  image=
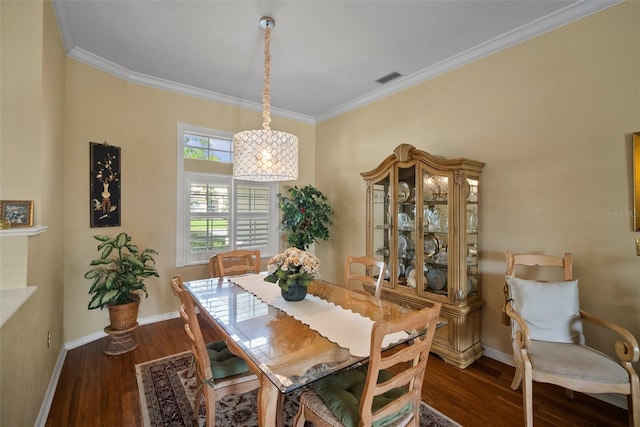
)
(265, 154)
(266, 95)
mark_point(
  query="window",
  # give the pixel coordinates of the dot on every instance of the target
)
(217, 213)
(203, 147)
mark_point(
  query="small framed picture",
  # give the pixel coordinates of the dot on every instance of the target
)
(18, 212)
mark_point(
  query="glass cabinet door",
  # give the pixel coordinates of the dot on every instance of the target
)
(381, 222)
(407, 237)
(435, 233)
(472, 237)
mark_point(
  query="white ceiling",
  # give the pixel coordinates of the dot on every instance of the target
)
(325, 55)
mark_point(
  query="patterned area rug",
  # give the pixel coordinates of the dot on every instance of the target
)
(167, 392)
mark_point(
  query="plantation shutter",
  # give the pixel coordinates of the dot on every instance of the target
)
(252, 214)
(210, 213)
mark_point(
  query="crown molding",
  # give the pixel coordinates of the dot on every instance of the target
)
(550, 22)
(109, 67)
(526, 32)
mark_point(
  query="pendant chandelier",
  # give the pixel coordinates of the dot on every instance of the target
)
(265, 154)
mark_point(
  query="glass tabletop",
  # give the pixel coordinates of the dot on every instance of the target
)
(288, 352)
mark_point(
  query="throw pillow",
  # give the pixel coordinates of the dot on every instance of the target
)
(550, 309)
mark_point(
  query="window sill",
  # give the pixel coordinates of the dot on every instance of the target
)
(12, 299)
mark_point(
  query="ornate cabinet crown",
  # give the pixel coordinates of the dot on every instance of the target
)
(423, 221)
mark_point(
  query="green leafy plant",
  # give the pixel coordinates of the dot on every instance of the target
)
(116, 278)
(306, 216)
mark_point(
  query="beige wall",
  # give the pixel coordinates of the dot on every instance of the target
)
(32, 132)
(552, 119)
(143, 122)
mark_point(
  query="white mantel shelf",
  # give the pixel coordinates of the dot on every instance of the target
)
(23, 231)
(14, 272)
(12, 299)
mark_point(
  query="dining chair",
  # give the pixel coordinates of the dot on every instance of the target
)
(219, 371)
(365, 273)
(386, 390)
(213, 266)
(548, 341)
(233, 263)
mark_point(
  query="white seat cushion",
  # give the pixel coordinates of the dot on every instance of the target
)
(575, 361)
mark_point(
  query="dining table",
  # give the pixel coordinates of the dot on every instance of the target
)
(291, 344)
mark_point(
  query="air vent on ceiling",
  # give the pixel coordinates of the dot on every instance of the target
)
(391, 76)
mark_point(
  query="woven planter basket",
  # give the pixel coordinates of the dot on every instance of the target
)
(124, 316)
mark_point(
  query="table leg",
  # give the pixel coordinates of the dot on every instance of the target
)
(269, 403)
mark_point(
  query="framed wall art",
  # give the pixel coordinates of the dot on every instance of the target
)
(636, 181)
(105, 179)
(18, 212)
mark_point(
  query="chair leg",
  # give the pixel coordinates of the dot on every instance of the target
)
(299, 419)
(517, 379)
(210, 407)
(633, 403)
(527, 396)
(196, 404)
(192, 368)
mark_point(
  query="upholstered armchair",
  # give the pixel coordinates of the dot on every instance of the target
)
(548, 340)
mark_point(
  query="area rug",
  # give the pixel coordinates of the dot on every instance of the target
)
(167, 391)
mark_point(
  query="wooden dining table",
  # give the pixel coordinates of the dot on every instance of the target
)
(285, 353)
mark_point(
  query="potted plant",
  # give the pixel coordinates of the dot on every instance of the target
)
(293, 270)
(118, 278)
(306, 215)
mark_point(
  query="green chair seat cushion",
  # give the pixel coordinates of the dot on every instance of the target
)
(342, 393)
(223, 362)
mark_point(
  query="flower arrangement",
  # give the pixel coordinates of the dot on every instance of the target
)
(293, 266)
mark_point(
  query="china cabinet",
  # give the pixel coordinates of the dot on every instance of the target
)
(423, 222)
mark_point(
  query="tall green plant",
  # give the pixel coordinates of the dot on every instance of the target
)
(306, 215)
(116, 278)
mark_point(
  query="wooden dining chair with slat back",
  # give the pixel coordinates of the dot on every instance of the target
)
(548, 342)
(213, 266)
(386, 391)
(233, 263)
(219, 372)
(365, 275)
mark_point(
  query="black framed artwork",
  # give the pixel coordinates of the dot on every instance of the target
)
(105, 181)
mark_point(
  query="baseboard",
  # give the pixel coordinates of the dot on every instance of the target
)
(506, 358)
(97, 335)
(51, 389)
(618, 400)
(159, 317)
(55, 376)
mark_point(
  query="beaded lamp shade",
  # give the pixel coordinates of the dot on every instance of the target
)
(265, 154)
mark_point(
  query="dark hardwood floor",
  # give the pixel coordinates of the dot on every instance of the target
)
(99, 390)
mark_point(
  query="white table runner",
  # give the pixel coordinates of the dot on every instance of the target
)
(344, 327)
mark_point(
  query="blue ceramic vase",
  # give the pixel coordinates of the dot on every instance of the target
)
(295, 293)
